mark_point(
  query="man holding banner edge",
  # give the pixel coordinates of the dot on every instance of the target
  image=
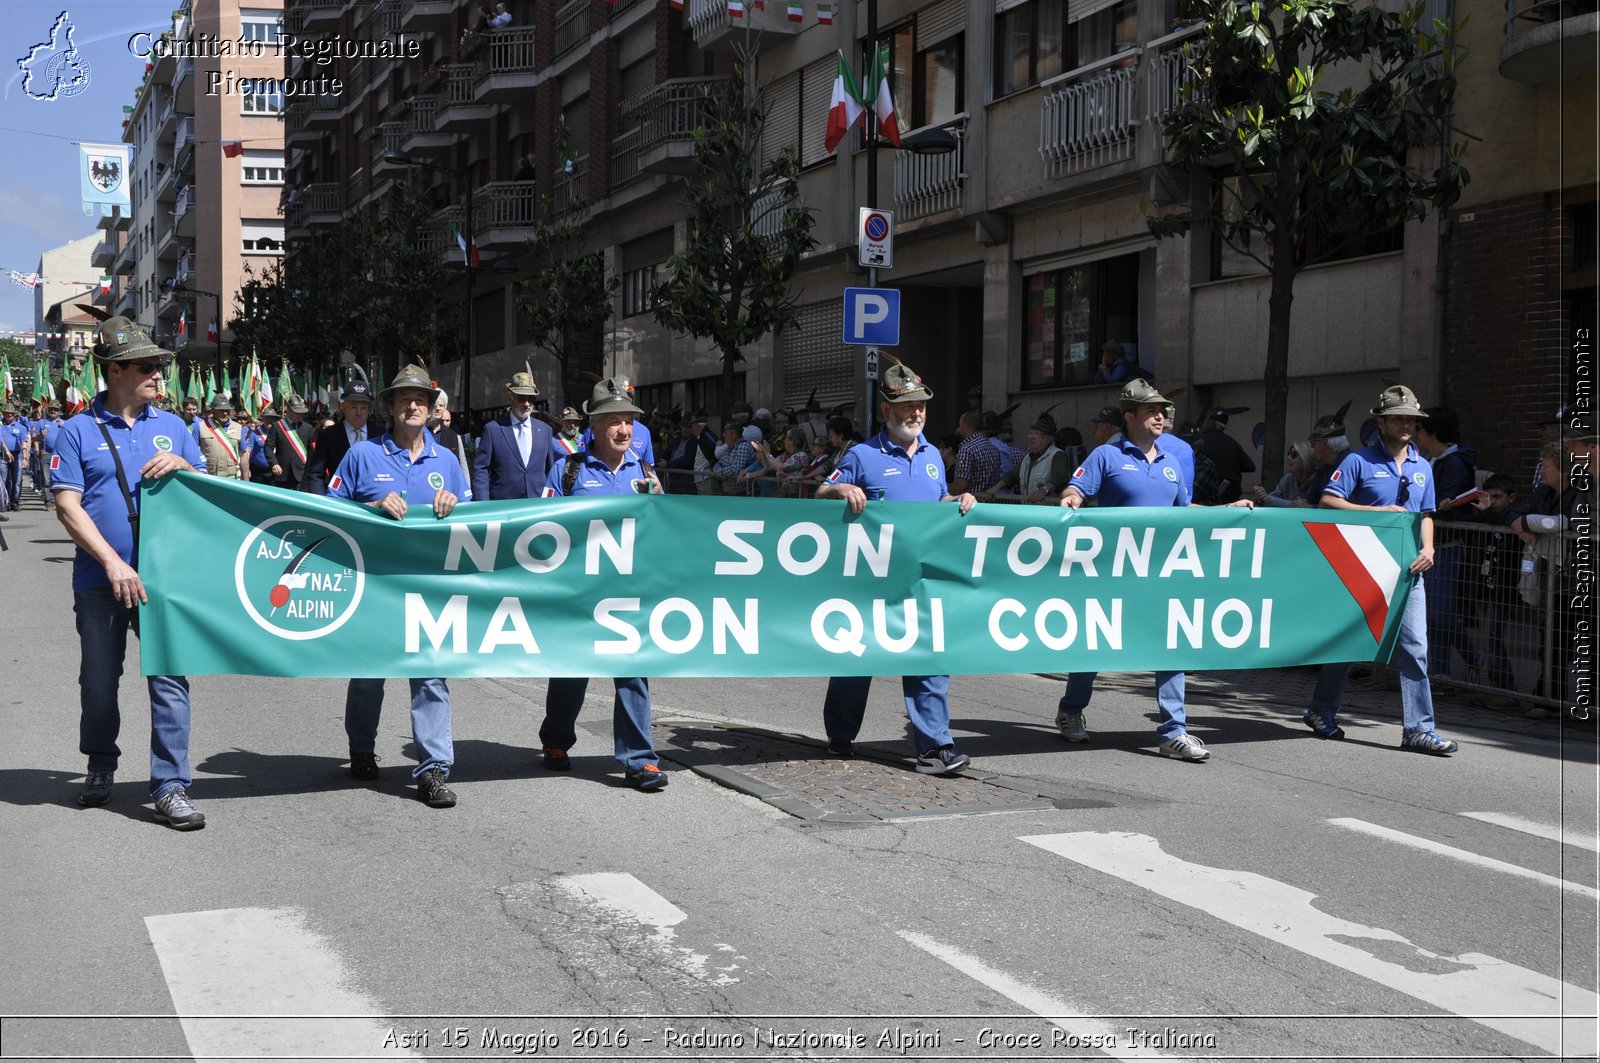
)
(405, 466)
(898, 464)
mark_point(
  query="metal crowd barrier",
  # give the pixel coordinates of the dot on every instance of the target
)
(1494, 630)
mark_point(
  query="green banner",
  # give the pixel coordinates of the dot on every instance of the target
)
(254, 580)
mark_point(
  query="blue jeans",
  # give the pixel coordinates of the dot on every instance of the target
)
(630, 719)
(1445, 630)
(103, 638)
(1410, 654)
(927, 703)
(1169, 699)
(430, 720)
(14, 482)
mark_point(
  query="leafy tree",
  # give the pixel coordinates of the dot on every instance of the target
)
(1305, 159)
(369, 284)
(730, 283)
(568, 296)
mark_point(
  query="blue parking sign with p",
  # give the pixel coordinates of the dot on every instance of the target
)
(872, 317)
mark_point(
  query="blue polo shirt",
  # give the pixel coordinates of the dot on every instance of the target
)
(1179, 448)
(80, 462)
(883, 469)
(642, 447)
(50, 433)
(13, 434)
(1369, 477)
(1118, 474)
(375, 467)
(594, 478)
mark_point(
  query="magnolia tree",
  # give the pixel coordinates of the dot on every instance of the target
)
(1302, 159)
(747, 234)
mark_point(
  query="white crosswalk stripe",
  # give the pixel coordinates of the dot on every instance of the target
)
(252, 982)
(1566, 836)
(1555, 1016)
(1084, 1030)
(1451, 852)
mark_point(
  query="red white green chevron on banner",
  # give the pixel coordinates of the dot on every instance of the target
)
(563, 587)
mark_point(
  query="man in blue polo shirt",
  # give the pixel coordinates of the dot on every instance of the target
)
(405, 467)
(642, 446)
(609, 466)
(899, 465)
(1138, 468)
(49, 440)
(13, 454)
(1390, 476)
(102, 458)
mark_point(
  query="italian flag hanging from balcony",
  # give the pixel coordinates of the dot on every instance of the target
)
(736, 8)
(882, 101)
(845, 109)
(469, 251)
(796, 12)
(824, 14)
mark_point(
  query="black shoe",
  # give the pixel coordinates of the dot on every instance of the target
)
(648, 778)
(942, 761)
(556, 759)
(838, 747)
(363, 765)
(431, 789)
(96, 789)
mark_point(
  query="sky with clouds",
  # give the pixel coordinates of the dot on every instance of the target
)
(39, 203)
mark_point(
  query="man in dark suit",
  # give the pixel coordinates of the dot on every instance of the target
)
(514, 453)
(289, 445)
(335, 441)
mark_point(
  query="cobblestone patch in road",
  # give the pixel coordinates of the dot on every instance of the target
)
(801, 778)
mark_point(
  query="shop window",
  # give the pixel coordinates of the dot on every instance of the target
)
(1069, 313)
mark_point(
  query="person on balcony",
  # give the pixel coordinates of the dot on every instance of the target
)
(502, 17)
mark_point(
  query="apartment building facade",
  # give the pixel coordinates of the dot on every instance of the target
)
(1017, 255)
(207, 174)
(68, 275)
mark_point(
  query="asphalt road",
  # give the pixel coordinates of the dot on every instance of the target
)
(1290, 899)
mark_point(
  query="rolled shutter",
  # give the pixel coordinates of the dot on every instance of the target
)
(816, 89)
(783, 117)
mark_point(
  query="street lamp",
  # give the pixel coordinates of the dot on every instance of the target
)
(400, 158)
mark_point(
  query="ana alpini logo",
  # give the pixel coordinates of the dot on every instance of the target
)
(299, 578)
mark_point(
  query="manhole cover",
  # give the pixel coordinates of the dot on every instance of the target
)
(800, 777)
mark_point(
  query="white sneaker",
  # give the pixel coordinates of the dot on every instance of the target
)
(1071, 726)
(1185, 747)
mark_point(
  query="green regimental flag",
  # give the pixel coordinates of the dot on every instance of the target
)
(643, 585)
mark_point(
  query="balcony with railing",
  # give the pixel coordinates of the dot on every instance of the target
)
(321, 202)
(386, 18)
(459, 110)
(427, 16)
(624, 159)
(504, 213)
(324, 112)
(1547, 40)
(183, 85)
(421, 135)
(1087, 119)
(436, 235)
(928, 184)
(182, 138)
(717, 24)
(505, 65)
(104, 253)
(323, 13)
(571, 27)
(567, 193)
(667, 116)
(167, 121)
(1167, 73)
(297, 121)
(183, 212)
(355, 186)
(766, 215)
(126, 258)
(184, 272)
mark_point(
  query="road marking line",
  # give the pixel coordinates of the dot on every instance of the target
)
(1532, 1007)
(1058, 1013)
(621, 894)
(233, 973)
(1450, 851)
(1537, 829)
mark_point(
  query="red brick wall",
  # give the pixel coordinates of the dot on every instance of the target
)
(1503, 330)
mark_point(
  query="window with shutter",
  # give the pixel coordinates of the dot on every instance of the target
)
(816, 89)
(782, 99)
(814, 356)
(940, 21)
